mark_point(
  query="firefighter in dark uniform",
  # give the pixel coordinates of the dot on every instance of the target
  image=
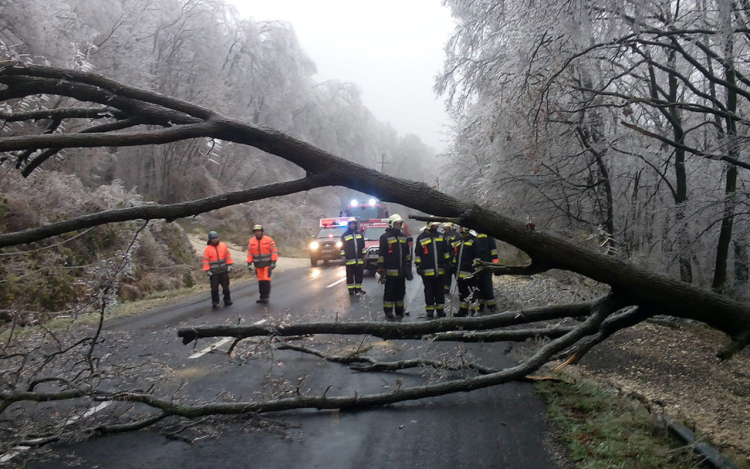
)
(353, 251)
(451, 236)
(488, 253)
(465, 250)
(431, 258)
(394, 262)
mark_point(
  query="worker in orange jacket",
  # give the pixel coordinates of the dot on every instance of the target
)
(217, 263)
(261, 252)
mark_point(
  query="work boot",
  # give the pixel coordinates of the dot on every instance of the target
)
(215, 306)
(352, 292)
(262, 300)
(389, 317)
(362, 292)
(429, 316)
(228, 303)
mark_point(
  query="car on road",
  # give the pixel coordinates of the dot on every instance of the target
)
(326, 245)
(372, 233)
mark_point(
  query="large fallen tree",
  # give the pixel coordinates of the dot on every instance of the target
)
(128, 116)
(128, 107)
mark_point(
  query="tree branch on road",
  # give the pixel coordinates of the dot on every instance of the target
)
(644, 288)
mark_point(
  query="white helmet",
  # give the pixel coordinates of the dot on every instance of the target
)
(379, 278)
(393, 219)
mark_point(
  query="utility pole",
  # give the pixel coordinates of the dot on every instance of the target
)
(382, 163)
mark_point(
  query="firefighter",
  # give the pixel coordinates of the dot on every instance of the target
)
(431, 258)
(353, 251)
(451, 236)
(466, 249)
(261, 252)
(394, 262)
(488, 253)
(217, 263)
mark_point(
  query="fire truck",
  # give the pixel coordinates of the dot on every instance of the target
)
(373, 209)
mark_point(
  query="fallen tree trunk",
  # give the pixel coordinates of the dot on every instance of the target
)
(603, 308)
(184, 120)
(386, 330)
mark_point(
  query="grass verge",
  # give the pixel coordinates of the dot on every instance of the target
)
(120, 310)
(600, 429)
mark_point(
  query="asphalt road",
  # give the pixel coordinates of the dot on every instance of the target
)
(500, 427)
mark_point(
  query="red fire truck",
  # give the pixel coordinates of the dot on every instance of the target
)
(369, 210)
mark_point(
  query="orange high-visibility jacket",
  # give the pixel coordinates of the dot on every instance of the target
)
(217, 258)
(261, 252)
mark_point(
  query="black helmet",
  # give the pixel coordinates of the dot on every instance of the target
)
(212, 235)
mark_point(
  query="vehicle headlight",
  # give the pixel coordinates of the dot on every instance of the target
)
(314, 245)
(339, 244)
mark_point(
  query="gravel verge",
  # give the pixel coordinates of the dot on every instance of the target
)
(671, 366)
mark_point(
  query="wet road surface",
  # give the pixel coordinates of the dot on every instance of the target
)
(500, 427)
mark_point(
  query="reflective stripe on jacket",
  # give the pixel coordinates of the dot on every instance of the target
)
(431, 254)
(353, 247)
(261, 252)
(488, 248)
(450, 238)
(466, 250)
(394, 254)
(217, 258)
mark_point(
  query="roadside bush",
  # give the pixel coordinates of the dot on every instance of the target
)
(62, 273)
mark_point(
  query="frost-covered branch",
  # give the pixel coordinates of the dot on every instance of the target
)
(169, 212)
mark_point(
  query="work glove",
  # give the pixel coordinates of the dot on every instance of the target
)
(230, 267)
(420, 272)
(409, 276)
(381, 272)
(209, 273)
(250, 268)
(273, 265)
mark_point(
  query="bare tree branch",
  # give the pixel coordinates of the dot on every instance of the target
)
(63, 113)
(642, 287)
(602, 309)
(168, 212)
(420, 330)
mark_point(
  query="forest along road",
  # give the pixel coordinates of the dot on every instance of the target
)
(500, 427)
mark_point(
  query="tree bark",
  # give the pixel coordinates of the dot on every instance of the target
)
(642, 288)
(727, 223)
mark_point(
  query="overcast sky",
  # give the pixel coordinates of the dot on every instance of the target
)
(392, 49)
